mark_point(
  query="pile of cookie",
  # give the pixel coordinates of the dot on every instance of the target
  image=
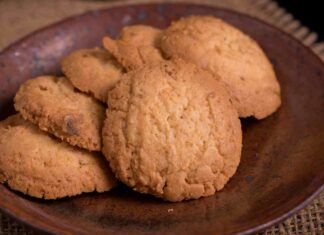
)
(163, 106)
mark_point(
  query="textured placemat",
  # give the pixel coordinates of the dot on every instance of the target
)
(20, 17)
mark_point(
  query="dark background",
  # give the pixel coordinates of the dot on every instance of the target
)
(310, 13)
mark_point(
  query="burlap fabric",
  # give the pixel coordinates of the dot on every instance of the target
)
(20, 17)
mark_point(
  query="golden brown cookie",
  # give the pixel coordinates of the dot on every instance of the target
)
(237, 59)
(141, 35)
(55, 106)
(36, 164)
(94, 71)
(136, 46)
(172, 131)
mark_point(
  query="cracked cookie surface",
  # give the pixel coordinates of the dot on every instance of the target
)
(226, 51)
(136, 46)
(93, 71)
(172, 131)
(55, 106)
(41, 166)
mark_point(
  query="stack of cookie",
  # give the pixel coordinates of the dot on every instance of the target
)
(162, 105)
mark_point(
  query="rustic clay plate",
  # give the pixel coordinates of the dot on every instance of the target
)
(282, 166)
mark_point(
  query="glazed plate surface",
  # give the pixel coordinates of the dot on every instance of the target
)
(282, 167)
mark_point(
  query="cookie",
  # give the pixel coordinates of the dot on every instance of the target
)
(141, 35)
(94, 71)
(55, 106)
(237, 59)
(136, 46)
(38, 165)
(172, 131)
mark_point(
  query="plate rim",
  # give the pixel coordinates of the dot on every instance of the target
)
(40, 227)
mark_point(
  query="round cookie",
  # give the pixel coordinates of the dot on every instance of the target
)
(94, 71)
(172, 131)
(136, 46)
(55, 106)
(36, 164)
(237, 59)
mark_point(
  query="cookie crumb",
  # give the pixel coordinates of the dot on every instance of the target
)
(170, 210)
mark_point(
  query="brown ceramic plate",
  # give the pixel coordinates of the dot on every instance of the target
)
(282, 166)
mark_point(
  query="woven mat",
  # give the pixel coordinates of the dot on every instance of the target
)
(20, 17)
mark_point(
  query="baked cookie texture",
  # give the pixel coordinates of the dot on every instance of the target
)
(94, 71)
(36, 164)
(136, 46)
(55, 106)
(172, 131)
(226, 51)
(141, 35)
